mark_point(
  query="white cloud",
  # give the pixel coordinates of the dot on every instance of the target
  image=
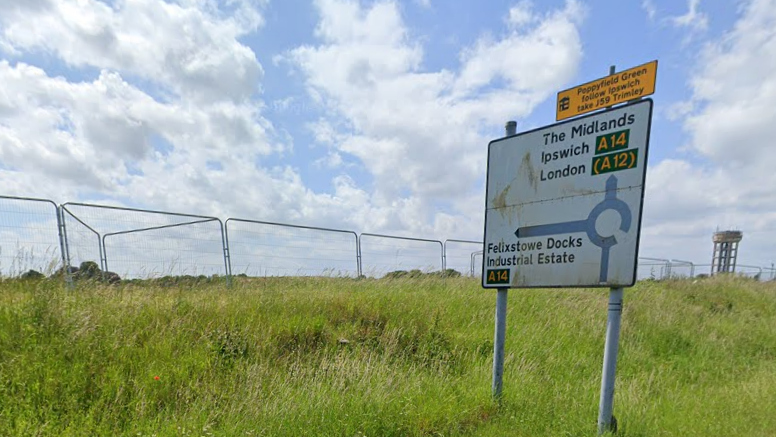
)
(420, 133)
(679, 110)
(730, 123)
(521, 13)
(649, 8)
(196, 145)
(85, 132)
(550, 50)
(693, 19)
(190, 49)
(331, 160)
(735, 90)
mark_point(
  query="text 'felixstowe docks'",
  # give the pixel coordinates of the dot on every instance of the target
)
(522, 253)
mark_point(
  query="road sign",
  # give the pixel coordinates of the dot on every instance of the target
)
(563, 205)
(610, 90)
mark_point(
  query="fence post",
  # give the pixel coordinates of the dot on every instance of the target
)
(442, 253)
(359, 259)
(358, 256)
(62, 234)
(68, 275)
(61, 239)
(225, 247)
(444, 257)
(104, 256)
(227, 254)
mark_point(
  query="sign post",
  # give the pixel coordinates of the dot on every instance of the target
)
(501, 317)
(563, 209)
(606, 419)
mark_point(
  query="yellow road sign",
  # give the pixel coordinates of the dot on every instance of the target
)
(610, 90)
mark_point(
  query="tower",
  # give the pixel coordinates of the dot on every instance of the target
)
(725, 251)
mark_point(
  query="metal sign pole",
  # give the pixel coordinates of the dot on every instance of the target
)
(501, 317)
(498, 341)
(606, 420)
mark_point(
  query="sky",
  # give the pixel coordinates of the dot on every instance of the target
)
(375, 116)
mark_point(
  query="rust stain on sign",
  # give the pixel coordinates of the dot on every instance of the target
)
(570, 190)
(500, 201)
(528, 168)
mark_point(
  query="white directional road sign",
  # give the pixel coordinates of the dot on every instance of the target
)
(563, 202)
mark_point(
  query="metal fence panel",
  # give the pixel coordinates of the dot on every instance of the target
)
(742, 270)
(382, 254)
(35, 234)
(138, 243)
(754, 272)
(260, 249)
(82, 242)
(29, 236)
(653, 268)
(650, 270)
(460, 256)
(681, 269)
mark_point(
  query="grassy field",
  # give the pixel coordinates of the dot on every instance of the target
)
(341, 357)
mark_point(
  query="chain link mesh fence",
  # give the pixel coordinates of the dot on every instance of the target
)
(29, 236)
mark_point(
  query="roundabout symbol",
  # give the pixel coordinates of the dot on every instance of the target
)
(588, 225)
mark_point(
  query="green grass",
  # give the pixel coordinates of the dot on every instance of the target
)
(339, 357)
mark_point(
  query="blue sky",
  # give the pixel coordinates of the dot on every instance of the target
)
(375, 115)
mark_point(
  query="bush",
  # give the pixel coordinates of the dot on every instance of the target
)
(416, 274)
(62, 271)
(33, 275)
(88, 270)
